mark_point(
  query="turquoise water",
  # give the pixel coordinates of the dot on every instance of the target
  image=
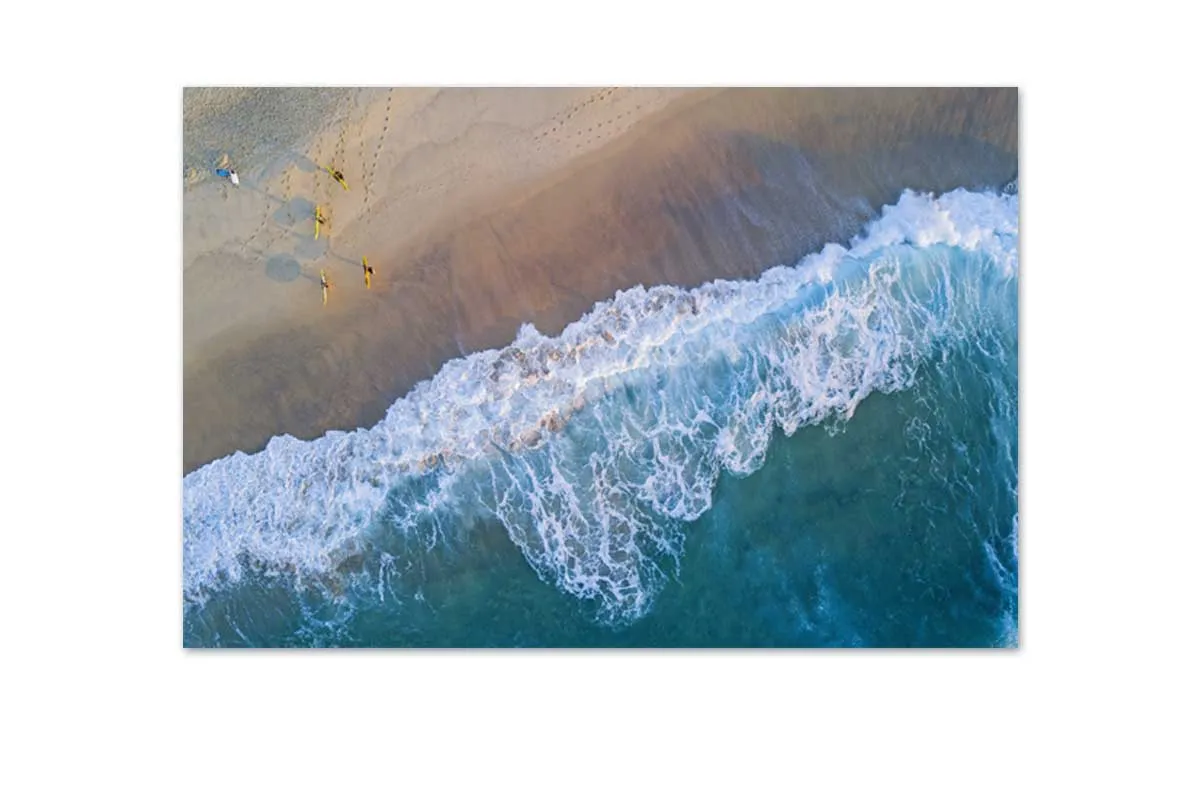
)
(826, 456)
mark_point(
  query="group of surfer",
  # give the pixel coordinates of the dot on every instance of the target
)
(319, 219)
(326, 284)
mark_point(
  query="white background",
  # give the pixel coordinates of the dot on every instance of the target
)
(101, 706)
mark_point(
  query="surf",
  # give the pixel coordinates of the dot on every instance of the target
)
(594, 449)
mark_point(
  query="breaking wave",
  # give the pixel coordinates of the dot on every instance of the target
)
(592, 448)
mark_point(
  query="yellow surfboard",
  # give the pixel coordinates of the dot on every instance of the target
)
(335, 177)
(317, 225)
(367, 270)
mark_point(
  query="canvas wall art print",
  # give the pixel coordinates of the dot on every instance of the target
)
(604, 367)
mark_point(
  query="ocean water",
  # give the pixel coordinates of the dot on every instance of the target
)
(822, 456)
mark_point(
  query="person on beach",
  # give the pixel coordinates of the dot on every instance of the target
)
(229, 173)
(368, 271)
(325, 285)
(336, 175)
(319, 221)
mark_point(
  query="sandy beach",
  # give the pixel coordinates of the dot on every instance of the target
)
(485, 209)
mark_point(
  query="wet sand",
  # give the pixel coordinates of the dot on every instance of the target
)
(484, 209)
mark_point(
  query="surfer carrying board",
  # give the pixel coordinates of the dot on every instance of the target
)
(368, 271)
(319, 220)
(325, 285)
(336, 175)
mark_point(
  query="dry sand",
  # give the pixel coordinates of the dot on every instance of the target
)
(484, 209)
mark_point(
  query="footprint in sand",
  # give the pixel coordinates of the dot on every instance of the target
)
(294, 210)
(387, 121)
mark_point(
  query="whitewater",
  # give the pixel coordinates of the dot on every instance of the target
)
(595, 448)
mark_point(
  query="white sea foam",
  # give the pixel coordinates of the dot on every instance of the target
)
(592, 446)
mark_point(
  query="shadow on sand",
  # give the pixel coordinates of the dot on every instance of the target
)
(295, 210)
(282, 267)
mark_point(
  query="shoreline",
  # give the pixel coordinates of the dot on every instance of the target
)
(506, 222)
